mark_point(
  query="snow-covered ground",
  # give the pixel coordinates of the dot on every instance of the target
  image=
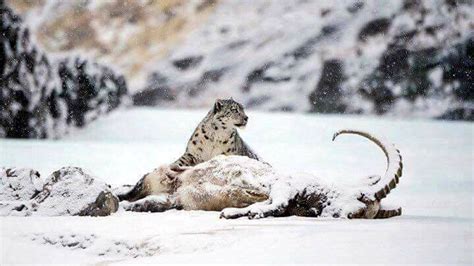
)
(435, 193)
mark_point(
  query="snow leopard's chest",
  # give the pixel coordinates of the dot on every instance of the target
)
(209, 141)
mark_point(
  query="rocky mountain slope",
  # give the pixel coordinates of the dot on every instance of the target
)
(399, 58)
(124, 33)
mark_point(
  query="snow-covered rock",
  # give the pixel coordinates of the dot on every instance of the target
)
(67, 191)
(89, 89)
(27, 84)
(17, 189)
(72, 191)
(42, 97)
(19, 184)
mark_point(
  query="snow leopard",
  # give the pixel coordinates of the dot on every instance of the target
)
(239, 186)
(217, 134)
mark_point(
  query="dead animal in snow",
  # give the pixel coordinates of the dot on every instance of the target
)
(240, 186)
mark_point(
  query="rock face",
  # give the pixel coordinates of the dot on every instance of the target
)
(326, 98)
(406, 58)
(89, 90)
(407, 77)
(68, 191)
(137, 32)
(27, 83)
(411, 59)
(42, 98)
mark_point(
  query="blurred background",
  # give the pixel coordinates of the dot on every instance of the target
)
(66, 63)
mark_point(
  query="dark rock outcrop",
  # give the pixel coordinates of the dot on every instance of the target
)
(40, 97)
(458, 69)
(89, 90)
(374, 27)
(326, 98)
(410, 71)
(27, 83)
(156, 91)
(458, 114)
(188, 62)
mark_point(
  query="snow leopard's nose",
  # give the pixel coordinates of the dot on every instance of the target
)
(246, 118)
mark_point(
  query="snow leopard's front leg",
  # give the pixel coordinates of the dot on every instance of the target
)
(184, 162)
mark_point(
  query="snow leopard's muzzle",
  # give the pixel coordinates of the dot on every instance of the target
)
(243, 122)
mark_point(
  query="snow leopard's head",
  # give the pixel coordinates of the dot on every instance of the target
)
(230, 113)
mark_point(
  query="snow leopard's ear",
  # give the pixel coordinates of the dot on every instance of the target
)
(217, 106)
